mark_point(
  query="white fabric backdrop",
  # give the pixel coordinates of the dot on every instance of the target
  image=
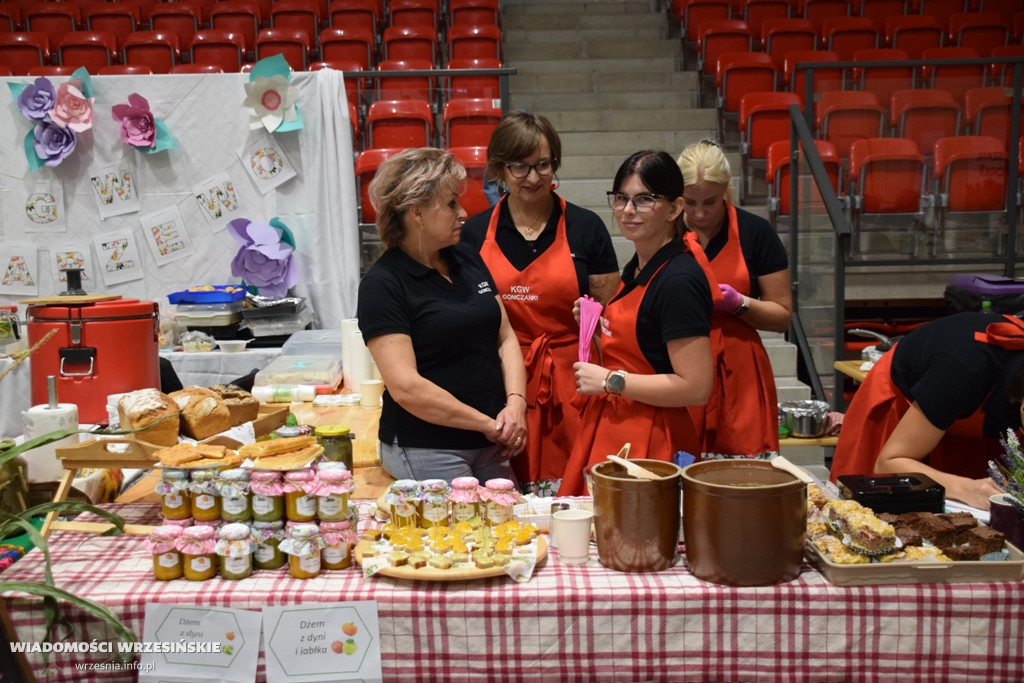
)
(205, 116)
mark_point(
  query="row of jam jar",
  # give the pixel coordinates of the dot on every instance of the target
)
(432, 502)
(233, 550)
(243, 495)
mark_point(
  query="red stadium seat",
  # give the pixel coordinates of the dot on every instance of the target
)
(366, 166)
(888, 180)
(158, 50)
(924, 116)
(180, 18)
(816, 11)
(846, 35)
(882, 80)
(226, 49)
(120, 18)
(399, 123)
(716, 36)
(291, 43)
(355, 14)
(124, 70)
(913, 33)
(197, 69)
(51, 70)
(780, 36)
(237, 16)
(91, 49)
(777, 170)
(1002, 74)
(350, 44)
(54, 19)
(410, 42)
(405, 87)
(764, 118)
(987, 113)
(970, 175)
(825, 78)
(692, 12)
(942, 10)
(474, 42)
(878, 10)
(956, 78)
(10, 17)
(414, 13)
(739, 73)
(754, 12)
(473, 85)
(468, 122)
(843, 116)
(473, 12)
(980, 31)
(297, 14)
(473, 199)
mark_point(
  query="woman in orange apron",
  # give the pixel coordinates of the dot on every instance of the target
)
(751, 266)
(656, 357)
(543, 253)
(937, 404)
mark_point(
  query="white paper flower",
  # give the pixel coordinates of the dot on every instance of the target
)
(270, 101)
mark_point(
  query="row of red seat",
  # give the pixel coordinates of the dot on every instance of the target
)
(162, 50)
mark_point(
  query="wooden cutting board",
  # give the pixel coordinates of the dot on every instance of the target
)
(70, 299)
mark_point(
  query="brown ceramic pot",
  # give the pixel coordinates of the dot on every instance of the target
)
(636, 521)
(744, 522)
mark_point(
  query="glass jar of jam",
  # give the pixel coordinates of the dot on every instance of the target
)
(337, 443)
(303, 544)
(299, 505)
(267, 489)
(196, 544)
(339, 539)
(465, 499)
(267, 537)
(499, 496)
(433, 503)
(233, 487)
(205, 500)
(332, 488)
(175, 499)
(402, 497)
(234, 548)
(163, 543)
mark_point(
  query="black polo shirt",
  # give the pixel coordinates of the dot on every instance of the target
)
(588, 237)
(454, 330)
(676, 305)
(762, 249)
(950, 375)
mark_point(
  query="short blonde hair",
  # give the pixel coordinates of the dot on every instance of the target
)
(413, 177)
(705, 161)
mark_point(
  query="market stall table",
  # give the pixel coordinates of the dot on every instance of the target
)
(576, 623)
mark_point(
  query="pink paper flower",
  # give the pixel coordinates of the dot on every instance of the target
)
(138, 127)
(72, 109)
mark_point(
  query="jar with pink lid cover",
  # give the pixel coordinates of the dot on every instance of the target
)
(163, 543)
(332, 488)
(267, 489)
(339, 539)
(499, 496)
(299, 505)
(196, 545)
(465, 499)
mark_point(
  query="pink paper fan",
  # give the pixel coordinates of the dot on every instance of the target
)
(590, 314)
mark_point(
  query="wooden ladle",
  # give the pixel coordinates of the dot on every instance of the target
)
(631, 468)
(780, 463)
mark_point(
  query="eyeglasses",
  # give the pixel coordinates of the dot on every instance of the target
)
(641, 202)
(543, 168)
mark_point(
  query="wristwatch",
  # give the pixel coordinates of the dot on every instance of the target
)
(743, 307)
(615, 382)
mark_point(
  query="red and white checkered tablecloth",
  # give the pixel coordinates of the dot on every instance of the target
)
(577, 623)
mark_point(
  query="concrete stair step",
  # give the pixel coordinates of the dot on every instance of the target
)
(671, 85)
(625, 143)
(791, 389)
(583, 48)
(527, 62)
(672, 120)
(619, 29)
(783, 356)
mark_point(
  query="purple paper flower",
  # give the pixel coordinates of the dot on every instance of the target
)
(263, 260)
(138, 127)
(36, 100)
(53, 143)
(72, 109)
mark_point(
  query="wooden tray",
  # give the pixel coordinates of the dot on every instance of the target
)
(429, 573)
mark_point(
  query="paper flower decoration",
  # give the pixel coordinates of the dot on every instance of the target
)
(270, 98)
(139, 128)
(266, 258)
(59, 114)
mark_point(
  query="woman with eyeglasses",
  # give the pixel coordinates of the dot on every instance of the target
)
(741, 418)
(437, 329)
(937, 403)
(656, 356)
(543, 253)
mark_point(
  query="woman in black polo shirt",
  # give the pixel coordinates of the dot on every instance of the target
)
(455, 381)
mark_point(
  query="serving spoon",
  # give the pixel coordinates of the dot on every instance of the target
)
(632, 468)
(780, 462)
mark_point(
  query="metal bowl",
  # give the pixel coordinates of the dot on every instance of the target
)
(805, 419)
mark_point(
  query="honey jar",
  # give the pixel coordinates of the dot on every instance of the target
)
(196, 545)
(163, 543)
(339, 539)
(299, 505)
(175, 499)
(233, 488)
(234, 548)
(433, 503)
(337, 443)
(267, 537)
(499, 496)
(464, 499)
(267, 491)
(332, 487)
(303, 544)
(402, 497)
(205, 500)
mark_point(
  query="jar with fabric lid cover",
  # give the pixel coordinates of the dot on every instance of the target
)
(196, 545)
(267, 537)
(163, 543)
(499, 497)
(339, 539)
(303, 544)
(403, 499)
(267, 489)
(233, 486)
(434, 503)
(332, 488)
(234, 548)
(299, 505)
(465, 499)
(175, 499)
(205, 499)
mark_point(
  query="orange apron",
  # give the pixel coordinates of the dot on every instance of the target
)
(879, 405)
(741, 416)
(539, 303)
(610, 421)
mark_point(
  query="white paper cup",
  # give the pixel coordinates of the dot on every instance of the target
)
(572, 527)
(370, 391)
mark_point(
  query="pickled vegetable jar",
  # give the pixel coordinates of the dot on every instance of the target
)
(337, 443)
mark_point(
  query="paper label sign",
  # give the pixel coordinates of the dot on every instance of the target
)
(326, 642)
(192, 644)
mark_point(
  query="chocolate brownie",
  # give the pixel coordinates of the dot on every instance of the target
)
(963, 553)
(961, 521)
(907, 535)
(938, 531)
(984, 538)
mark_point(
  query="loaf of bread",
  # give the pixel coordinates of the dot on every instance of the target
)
(203, 414)
(242, 405)
(145, 407)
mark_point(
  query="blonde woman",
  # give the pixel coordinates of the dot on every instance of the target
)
(433, 322)
(750, 264)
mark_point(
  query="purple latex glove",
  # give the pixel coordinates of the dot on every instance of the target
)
(731, 299)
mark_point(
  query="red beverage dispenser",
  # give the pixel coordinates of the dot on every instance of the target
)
(103, 345)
